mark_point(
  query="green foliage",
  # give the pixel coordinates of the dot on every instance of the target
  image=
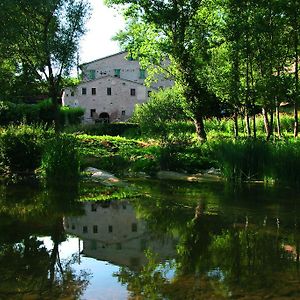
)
(42, 112)
(60, 160)
(42, 38)
(285, 162)
(164, 107)
(21, 148)
(71, 115)
(113, 129)
(242, 160)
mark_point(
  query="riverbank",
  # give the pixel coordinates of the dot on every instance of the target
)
(61, 158)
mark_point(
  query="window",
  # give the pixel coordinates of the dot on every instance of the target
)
(117, 72)
(72, 93)
(93, 207)
(123, 112)
(132, 92)
(73, 227)
(95, 229)
(134, 227)
(109, 91)
(92, 74)
(93, 111)
(83, 91)
(93, 91)
(142, 74)
(149, 93)
(84, 229)
(110, 228)
(119, 246)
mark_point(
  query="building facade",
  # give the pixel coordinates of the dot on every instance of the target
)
(110, 89)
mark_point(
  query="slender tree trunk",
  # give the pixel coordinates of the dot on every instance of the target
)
(236, 125)
(271, 122)
(277, 114)
(296, 40)
(266, 123)
(199, 125)
(278, 119)
(247, 120)
(254, 125)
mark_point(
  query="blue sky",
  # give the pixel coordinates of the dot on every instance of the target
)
(103, 25)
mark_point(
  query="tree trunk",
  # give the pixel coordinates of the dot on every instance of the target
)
(296, 123)
(271, 122)
(278, 119)
(236, 125)
(248, 128)
(296, 42)
(199, 125)
(254, 125)
(266, 123)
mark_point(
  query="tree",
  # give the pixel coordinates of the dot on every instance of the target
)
(43, 37)
(178, 30)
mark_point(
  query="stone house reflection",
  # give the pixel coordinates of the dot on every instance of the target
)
(111, 232)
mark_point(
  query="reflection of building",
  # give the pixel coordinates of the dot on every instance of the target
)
(111, 88)
(111, 232)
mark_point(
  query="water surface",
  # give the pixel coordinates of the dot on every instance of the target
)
(174, 241)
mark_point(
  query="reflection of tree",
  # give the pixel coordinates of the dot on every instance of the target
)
(216, 258)
(149, 282)
(27, 267)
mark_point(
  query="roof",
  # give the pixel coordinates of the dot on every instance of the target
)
(102, 58)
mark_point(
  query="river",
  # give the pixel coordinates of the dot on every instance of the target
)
(174, 241)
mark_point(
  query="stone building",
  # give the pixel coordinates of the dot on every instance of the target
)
(110, 89)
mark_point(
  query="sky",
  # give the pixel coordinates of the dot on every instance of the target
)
(103, 24)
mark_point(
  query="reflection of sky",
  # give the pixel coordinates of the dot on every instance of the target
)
(216, 273)
(102, 284)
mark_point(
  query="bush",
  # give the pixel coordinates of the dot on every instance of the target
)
(42, 112)
(60, 160)
(71, 115)
(21, 148)
(163, 107)
(113, 129)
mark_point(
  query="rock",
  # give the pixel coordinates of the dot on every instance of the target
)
(169, 175)
(91, 170)
(174, 176)
(213, 171)
(103, 176)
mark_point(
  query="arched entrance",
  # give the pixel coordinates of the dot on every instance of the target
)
(103, 118)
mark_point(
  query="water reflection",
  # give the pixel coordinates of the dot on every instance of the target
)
(28, 268)
(179, 241)
(111, 232)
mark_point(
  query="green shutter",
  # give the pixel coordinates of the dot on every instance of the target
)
(117, 72)
(92, 74)
(142, 74)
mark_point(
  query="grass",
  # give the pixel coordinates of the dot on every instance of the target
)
(245, 159)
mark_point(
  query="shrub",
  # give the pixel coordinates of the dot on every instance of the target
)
(71, 115)
(163, 107)
(113, 129)
(60, 160)
(21, 147)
